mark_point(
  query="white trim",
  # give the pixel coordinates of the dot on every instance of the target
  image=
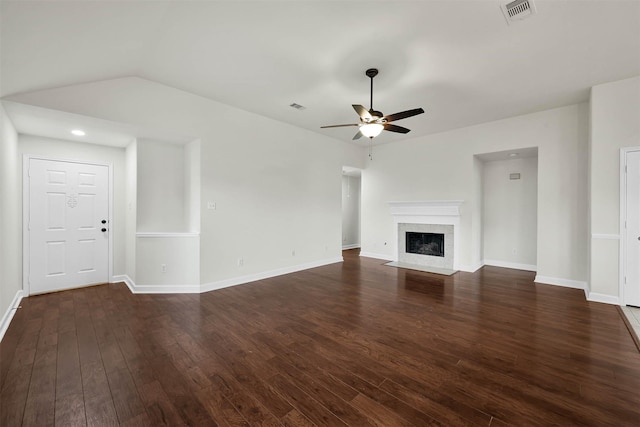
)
(206, 287)
(587, 290)
(123, 278)
(11, 311)
(25, 224)
(26, 159)
(605, 236)
(471, 268)
(167, 235)
(354, 246)
(514, 265)
(426, 208)
(155, 289)
(111, 221)
(376, 256)
(166, 289)
(603, 298)
(565, 283)
(623, 209)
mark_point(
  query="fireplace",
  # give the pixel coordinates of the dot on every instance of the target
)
(431, 244)
(427, 234)
(428, 245)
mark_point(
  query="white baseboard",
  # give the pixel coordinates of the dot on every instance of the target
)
(11, 311)
(604, 298)
(206, 287)
(346, 247)
(234, 281)
(165, 289)
(507, 264)
(566, 283)
(470, 268)
(155, 289)
(126, 279)
(377, 256)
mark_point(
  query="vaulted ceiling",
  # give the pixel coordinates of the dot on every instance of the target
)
(459, 60)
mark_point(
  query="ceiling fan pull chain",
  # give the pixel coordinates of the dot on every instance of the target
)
(370, 148)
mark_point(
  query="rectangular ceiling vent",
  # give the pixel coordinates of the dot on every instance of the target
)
(518, 10)
(297, 106)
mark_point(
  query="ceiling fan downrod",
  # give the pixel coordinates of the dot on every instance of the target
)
(371, 73)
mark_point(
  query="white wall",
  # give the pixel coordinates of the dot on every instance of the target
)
(510, 213)
(192, 169)
(131, 209)
(277, 188)
(442, 167)
(10, 220)
(161, 192)
(615, 123)
(350, 211)
(70, 150)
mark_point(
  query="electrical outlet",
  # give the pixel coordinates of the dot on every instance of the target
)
(293, 252)
(163, 267)
(240, 262)
(211, 205)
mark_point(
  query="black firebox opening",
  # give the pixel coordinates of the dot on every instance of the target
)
(425, 243)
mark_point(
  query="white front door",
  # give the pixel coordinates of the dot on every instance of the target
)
(68, 225)
(632, 232)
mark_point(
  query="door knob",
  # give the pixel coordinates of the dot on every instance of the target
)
(104, 230)
(104, 221)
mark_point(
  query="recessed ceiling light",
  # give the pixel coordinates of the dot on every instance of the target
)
(78, 132)
(513, 155)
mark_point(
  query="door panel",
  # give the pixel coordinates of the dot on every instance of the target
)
(632, 237)
(67, 203)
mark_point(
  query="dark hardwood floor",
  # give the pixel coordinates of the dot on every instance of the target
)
(356, 343)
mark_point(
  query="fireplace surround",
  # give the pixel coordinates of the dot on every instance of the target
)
(431, 217)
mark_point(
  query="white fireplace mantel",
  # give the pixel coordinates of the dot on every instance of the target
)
(444, 212)
(427, 208)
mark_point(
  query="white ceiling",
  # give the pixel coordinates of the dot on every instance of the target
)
(32, 120)
(459, 60)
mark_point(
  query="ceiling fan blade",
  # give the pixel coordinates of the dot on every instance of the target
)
(404, 114)
(338, 126)
(395, 128)
(357, 136)
(362, 112)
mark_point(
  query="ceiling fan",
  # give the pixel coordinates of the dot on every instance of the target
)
(373, 122)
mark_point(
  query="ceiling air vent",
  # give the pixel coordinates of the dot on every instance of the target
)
(518, 10)
(297, 106)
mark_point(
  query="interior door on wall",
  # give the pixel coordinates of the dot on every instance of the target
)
(68, 225)
(632, 235)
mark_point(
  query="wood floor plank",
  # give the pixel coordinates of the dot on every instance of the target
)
(354, 343)
(70, 410)
(100, 411)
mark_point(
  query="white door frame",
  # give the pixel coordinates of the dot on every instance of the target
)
(623, 216)
(26, 159)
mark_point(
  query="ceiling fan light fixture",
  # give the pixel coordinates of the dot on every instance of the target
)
(371, 130)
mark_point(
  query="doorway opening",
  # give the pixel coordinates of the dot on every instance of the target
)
(351, 190)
